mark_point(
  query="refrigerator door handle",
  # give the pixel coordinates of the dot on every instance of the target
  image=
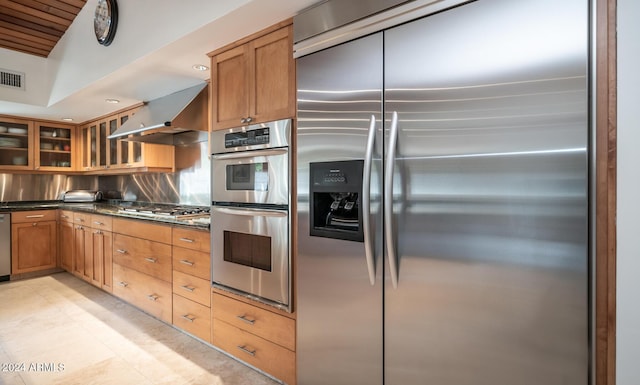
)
(388, 201)
(369, 248)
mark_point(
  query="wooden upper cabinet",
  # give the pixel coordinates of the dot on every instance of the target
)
(98, 153)
(273, 90)
(27, 145)
(16, 144)
(55, 145)
(231, 87)
(253, 80)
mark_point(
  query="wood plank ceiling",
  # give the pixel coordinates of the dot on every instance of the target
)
(35, 26)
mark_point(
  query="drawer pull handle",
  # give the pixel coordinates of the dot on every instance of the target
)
(98, 223)
(190, 319)
(121, 251)
(187, 288)
(64, 216)
(35, 216)
(152, 260)
(80, 220)
(187, 240)
(186, 262)
(245, 319)
(34, 224)
(244, 349)
(123, 284)
(153, 297)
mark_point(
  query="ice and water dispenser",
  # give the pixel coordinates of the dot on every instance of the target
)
(335, 191)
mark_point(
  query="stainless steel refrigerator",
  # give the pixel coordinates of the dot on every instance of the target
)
(443, 197)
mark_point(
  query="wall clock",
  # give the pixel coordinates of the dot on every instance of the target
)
(105, 21)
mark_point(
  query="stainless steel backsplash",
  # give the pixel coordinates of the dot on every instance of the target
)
(190, 184)
(38, 187)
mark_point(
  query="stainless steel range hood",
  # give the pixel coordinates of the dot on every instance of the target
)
(179, 118)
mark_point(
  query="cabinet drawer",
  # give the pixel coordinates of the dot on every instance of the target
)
(263, 323)
(264, 355)
(142, 229)
(193, 288)
(192, 317)
(101, 222)
(146, 256)
(196, 263)
(65, 216)
(82, 219)
(192, 239)
(33, 216)
(143, 291)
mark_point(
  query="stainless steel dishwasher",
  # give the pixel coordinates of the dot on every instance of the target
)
(5, 246)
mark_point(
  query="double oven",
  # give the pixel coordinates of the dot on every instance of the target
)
(250, 216)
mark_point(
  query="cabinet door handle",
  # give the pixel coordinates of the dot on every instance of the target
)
(121, 251)
(35, 216)
(190, 319)
(34, 224)
(152, 260)
(153, 297)
(187, 288)
(244, 349)
(99, 232)
(187, 240)
(245, 319)
(123, 284)
(186, 262)
(248, 119)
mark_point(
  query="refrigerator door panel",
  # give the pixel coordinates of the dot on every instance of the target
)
(490, 197)
(339, 311)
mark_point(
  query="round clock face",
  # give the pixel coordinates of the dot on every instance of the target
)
(105, 21)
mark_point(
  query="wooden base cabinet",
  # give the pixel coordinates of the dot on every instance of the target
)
(102, 249)
(142, 273)
(192, 317)
(34, 243)
(260, 337)
(82, 246)
(192, 282)
(150, 294)
(65, 240)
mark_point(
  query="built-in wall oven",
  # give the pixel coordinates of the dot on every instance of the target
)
(250, 217)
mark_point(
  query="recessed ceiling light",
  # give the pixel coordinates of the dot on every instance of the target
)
(68, 119)
(112, 101)
(200, 67)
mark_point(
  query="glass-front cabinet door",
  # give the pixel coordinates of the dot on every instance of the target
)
(88, 143)
(54, 146)
(130, 152)
(16, 151)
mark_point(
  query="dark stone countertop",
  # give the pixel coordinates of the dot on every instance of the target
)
(99, 208)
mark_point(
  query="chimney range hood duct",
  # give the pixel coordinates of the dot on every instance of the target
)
(177, 119)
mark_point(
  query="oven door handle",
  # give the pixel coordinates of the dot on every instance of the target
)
(251, 212)
(251, 154)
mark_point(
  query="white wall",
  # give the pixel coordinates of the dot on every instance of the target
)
(628, 215)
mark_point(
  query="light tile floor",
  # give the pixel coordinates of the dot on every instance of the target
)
(59, 329)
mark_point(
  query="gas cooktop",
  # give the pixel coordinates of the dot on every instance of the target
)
(165, 211)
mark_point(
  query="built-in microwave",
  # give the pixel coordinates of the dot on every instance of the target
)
(250, 218)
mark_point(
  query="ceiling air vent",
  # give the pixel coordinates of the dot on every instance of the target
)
(12, 79)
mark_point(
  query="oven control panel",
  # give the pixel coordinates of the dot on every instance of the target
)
(247, 138)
